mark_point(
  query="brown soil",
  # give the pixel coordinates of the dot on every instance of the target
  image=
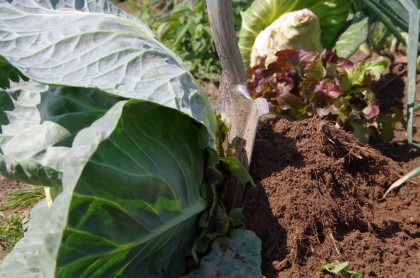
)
(318, 200)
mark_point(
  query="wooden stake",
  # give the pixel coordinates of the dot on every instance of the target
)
(233, 98)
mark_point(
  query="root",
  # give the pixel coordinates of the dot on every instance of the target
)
(335, 244)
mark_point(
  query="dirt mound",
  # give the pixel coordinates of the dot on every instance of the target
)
(317, 200)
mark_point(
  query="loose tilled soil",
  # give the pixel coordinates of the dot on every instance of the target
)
(318, 199)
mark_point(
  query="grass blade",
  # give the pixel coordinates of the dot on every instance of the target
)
(412, 49)
(22, 198)
(405, 178)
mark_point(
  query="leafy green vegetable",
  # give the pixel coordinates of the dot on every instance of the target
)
(7, 73)
(113, 170)
(292, 30)
(184, 27)
(332, 15)
(303, 83)
(350, 40)
(93, 44)
(234, 256)
(131, 194)
(118, 123)
(26, 142)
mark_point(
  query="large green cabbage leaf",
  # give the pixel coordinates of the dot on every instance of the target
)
(26, 142)
(332, 15)
(7, 73)
(236, 256)
(91, 43)
(131, 193)
(113, 117)
(41, 122)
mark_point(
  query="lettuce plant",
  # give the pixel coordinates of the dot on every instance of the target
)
(303, 83)
(93, 105)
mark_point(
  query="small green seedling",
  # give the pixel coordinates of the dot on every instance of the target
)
(340, 270)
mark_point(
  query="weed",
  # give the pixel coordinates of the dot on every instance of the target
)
(11, 231)
(22, 198)
(184, 27)
(340, 270)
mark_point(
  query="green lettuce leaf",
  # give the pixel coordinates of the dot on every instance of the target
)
(363, 73)
(332, 15)
(93, 44)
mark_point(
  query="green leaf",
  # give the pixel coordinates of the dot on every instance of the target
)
(74, 108)
(7, 73)
(41, 126)
(350, 40)
(332, 15)
(94, 44)
(363, 73)
(237, 169)
(340, 267)
(315, 71)
(360, 132)
(26, 143)
(236, 256)
(412, 51)
(131, 170)
(131, 194)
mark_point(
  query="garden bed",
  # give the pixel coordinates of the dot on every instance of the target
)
(318, 195)
(318, 200)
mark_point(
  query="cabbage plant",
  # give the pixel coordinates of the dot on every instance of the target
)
(92, 105)
(292, 30)
(332, 15)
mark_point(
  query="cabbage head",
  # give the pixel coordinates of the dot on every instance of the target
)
(332, 15)
(292, 30)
